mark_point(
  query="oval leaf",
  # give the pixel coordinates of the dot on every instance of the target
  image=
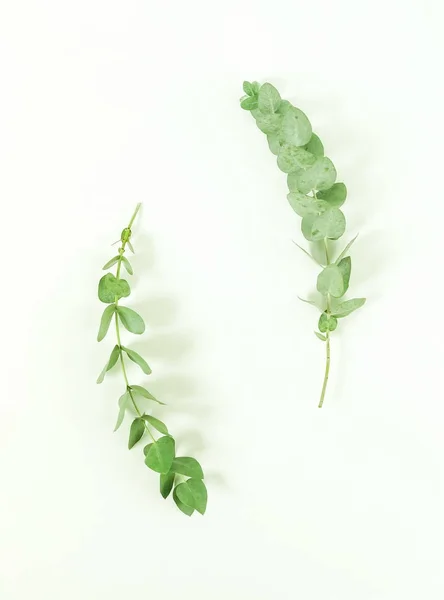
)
(296, 128)
(344, 266)
(110, 263)
(111, 288)
(187, 510)
(274, 142)
(335, 196)
(306, 205)
(105, 321)
(160, 455)
(315, 146)
(136, 432)
(293, 158)
(166, 483)
(200, 494)
(131, 320)
(347, 307)
(135, 357)
(330, 281)
(269, 98)
(269, 123)
(123, 403)
(249, 103)
(110, 364)
(156, 424)
(188, 466)
(320, 176)
(138, 389)
(126, 263)
(320, 336)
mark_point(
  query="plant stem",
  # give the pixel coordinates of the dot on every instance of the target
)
(327, 335)
(116, 303)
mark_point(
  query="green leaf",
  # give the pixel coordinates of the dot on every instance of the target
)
(105, 321)
(331, 281)
(114, 356)
(135, 357)
(327, 323)
(306, 205)
(156, 424)
(315, 146)
(320, 336)
(292, 158)
(344, 266)
(187, 510)
(146, 449)
(347, 307)
(296, 128)
(111, 288)
(126, 263)
(199, 492)
(185, 465)
(110, 263)
(346, 249)
(330, 224)
(292, 180)
(320, 176)
(269, 123)
(138, 389)
(249, 103)
(166, 483)
(248, 88)
(185, 494)
(160, 455)
(274, 142)
(136, 432)
(131, 320)
(335, 196)
(130, 246)
(123, 403)
(269, 98)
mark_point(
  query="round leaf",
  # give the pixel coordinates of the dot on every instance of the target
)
(111, 288)
(335, 196)
(161, 454)
(131, 320)
(305, 205)
(320, 176)
(269, 98)
(269, 123)
(292, 180)
(292, 158)
(315, 146)
(327, 323)
(296, 128)
(330, 281)
(249, 103)
(105, 321)
(188, 466)
(274, 142)
(135, 357)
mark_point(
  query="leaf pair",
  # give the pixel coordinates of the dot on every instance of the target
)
(191, 495)
(138, 427)
(159, 455)
(126, 263)
(184, 465)
(131, 320)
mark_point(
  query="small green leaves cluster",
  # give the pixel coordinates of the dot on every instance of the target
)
(313, 194)
(181, 475)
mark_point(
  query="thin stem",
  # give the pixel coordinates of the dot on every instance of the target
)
(116, 304)
(327, 335)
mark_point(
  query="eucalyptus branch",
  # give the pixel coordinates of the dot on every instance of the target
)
(184, 474)
(314, 195)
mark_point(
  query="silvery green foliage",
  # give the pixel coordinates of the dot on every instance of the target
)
(184, 474)
(314, 195)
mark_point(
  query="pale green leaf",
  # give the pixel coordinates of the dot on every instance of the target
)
(249, 103)
(348, 306)
(130, 246)
(296, 128)
(327, 323)
(136, 432)
(111, 288)
(114, 356)
(187, 466)
(187, 510)
(184, 494)
(315, 146)
(335, 196)
(292, 158)
(160, 455)
(346, 249)
(248, 88)
(344, 266)
(331, 281)
(131, 320)
(135, 357)
(306, 205)
(269, 98)
(156, 424)
(269, 123)
(110, 263)
(126, 263)
(138, 389)
(166, 483)
(330, 224)
(146, 449)
(292, 180)
(320, 336)
(105, 321)
(123, 403)
(320, 176)
(274, 142)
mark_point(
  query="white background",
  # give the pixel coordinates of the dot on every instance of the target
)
(105, 104)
